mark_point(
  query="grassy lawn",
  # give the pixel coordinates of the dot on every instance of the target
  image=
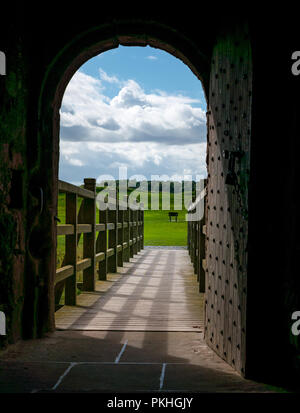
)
(159, 231)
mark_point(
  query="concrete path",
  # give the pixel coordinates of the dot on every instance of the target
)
(142, 358)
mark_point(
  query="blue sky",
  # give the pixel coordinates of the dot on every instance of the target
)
(134, 107)
(150, 68)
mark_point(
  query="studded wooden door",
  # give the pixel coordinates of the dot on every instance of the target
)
(228, 159)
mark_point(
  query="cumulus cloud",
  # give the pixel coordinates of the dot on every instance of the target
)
(153, 159)
(106, 78)
(140, 130)
(132, 115)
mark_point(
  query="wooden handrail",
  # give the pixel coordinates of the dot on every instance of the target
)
(106, 245)
(68, 188)
(196, 240)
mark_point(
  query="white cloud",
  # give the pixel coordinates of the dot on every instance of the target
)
(75, 162)
(150, 159)
(144, 131)
(151, 58)
(106, 78)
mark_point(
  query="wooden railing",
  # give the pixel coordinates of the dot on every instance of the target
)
(115, 239)
(196, 236)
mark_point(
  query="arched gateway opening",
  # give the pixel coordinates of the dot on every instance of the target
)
(251, 266)
(226, 76)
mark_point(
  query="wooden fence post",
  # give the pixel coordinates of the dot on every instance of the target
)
(120, 233)
(193, 242)
(142, 226)
(202, 243)
(196, 259)
(89, 239)
(196, 240)
(202, 256)
(135, 231)
(130, 219)
(138, 220)
(189, 237)
(126, 253)
(71, 249)
(102, 245)
(113, 238)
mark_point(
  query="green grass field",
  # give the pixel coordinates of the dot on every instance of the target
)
(158, 229)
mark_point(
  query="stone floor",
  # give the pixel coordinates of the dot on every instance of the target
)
(152, 340)
(98, 361)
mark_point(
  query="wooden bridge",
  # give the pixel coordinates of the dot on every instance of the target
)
(154, 291)
(137, 324)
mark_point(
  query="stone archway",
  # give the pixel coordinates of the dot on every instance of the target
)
(84, 47)
(229, 122)
(39, 51)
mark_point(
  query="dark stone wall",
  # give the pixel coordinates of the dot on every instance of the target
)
(44, 48)
(273, 273)
(44, 45)
(13, 179)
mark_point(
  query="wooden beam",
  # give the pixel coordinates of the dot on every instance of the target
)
(113, 238)
(142, 229)
(84, 264)
(126, 235)
(110, 252)
(89, 238)
(121, 216)
(84, 228)
(73, 189)
(101, 245)
(100, 227)
(65, 229)
(63, 273)
(100, 257)
(71, 248)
